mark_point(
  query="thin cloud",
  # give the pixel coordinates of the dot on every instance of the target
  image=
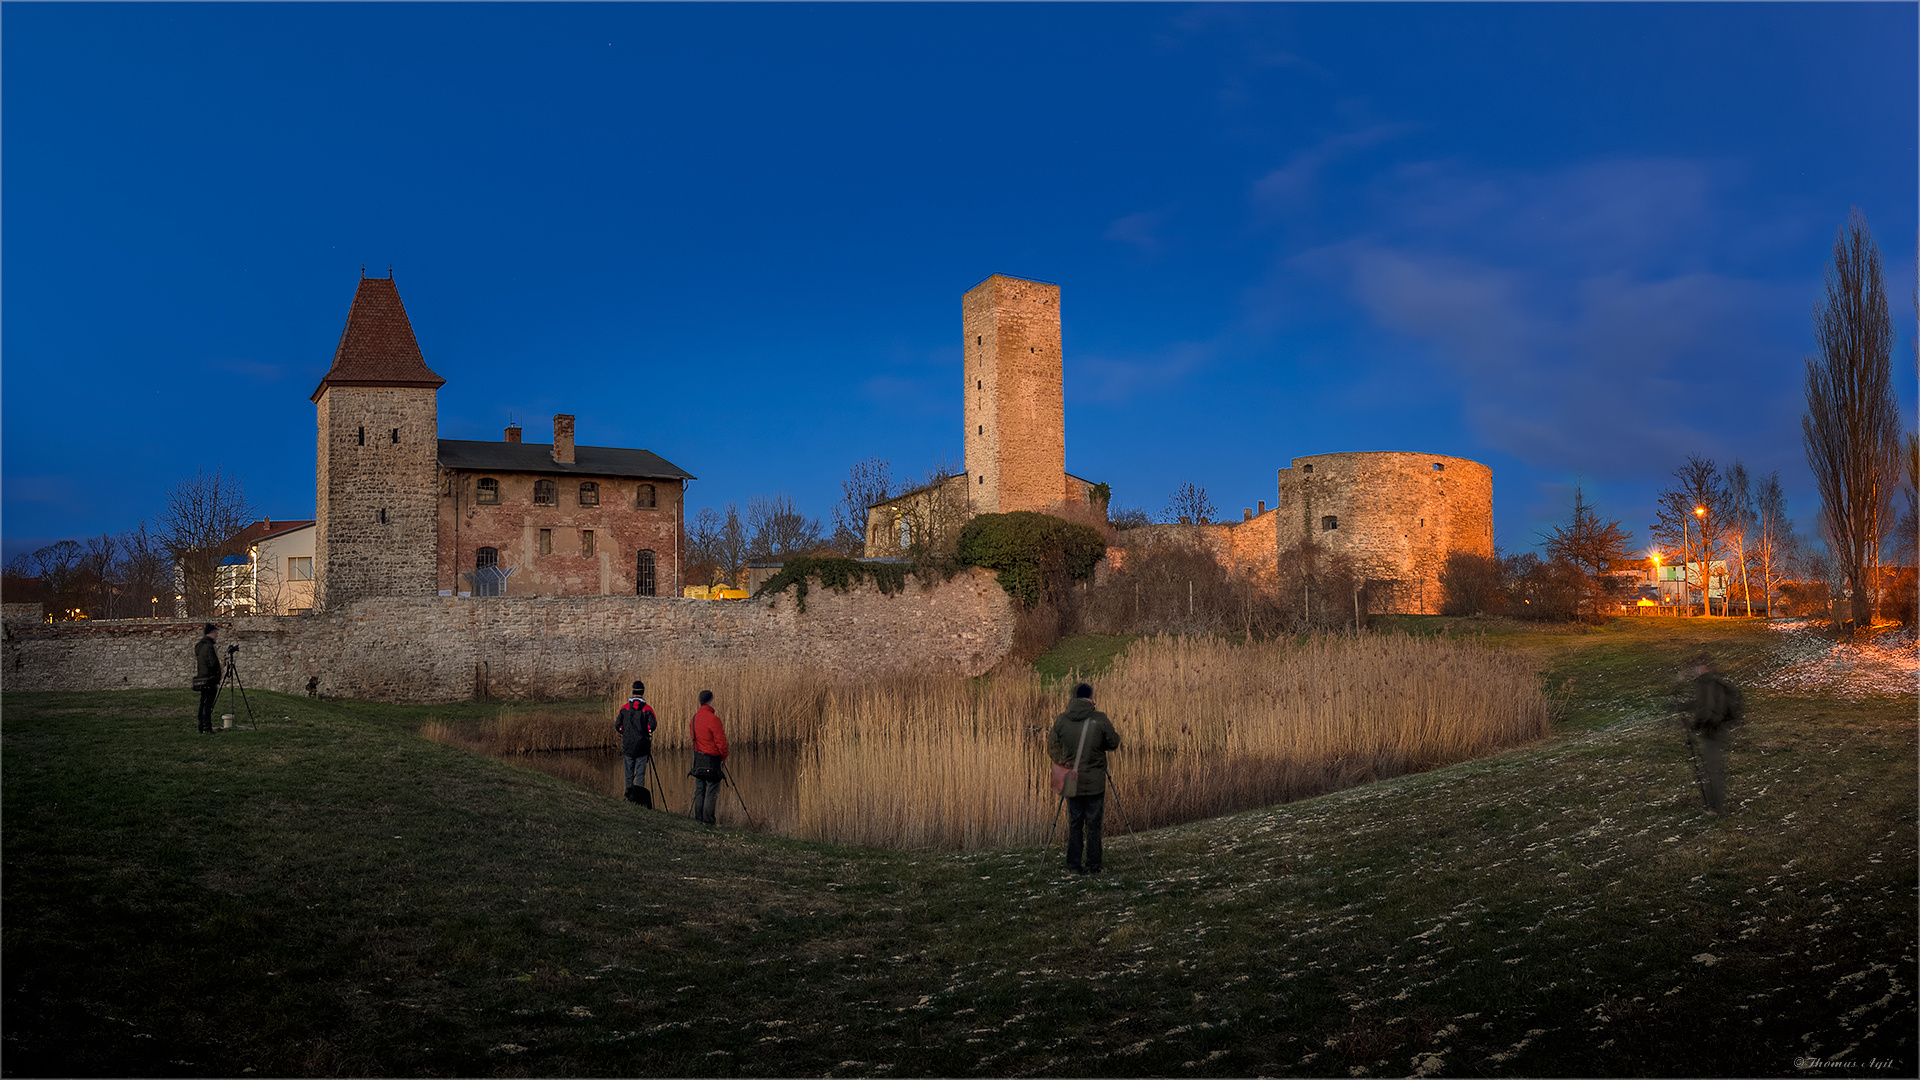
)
(1292, 184)
(1110, 378)
(1140, 230)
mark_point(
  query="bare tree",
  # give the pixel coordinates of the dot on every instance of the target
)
(1906, 532)
(1692, 519)
(1190, 504)
(201, 515)
(867, 483)
(776, 529)
(1852, 424)
(1591, 545)
(1771, 537)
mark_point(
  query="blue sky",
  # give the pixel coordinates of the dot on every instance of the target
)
(1577, 242)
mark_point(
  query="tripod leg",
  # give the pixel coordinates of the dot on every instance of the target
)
(1047, 846)
(728, 775)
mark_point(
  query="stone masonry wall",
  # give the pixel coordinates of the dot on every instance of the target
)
(378, 454)
(1396, 514)
(1015, 415)
(431, 649)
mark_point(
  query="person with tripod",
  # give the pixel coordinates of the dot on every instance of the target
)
(206, 675)
(709, 759)
(1079, 741)
(636, 722)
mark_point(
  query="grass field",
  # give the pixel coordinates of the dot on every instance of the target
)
(335, 895)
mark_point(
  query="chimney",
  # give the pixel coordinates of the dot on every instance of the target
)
(1246, 514)
(513, 432)
(1263, 506)
(563, 439)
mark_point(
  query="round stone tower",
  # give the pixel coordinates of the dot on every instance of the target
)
(1396, 514)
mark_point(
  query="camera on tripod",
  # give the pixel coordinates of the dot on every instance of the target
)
(231, 649)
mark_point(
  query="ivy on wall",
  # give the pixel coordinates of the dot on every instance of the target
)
(834, 572)
(1025, 548)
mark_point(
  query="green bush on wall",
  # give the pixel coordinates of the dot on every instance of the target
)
(1024, 547)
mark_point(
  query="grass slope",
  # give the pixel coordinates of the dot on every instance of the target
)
(334, 895)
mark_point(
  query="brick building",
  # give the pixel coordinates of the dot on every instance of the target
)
(400, 511)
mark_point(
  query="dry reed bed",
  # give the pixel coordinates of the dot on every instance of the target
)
(1208, 727)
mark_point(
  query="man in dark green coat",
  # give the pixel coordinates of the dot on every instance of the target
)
(1080, 739)
(206, 676)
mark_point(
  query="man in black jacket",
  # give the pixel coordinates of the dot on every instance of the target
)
(206, 676)
(635, 723)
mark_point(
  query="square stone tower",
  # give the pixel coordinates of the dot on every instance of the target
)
(376, 470)
(1016, 432)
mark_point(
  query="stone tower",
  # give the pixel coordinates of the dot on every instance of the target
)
(1016, 435)
(376, 466)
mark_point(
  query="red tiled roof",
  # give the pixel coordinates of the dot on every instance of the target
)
(377, 347)
(261, 530)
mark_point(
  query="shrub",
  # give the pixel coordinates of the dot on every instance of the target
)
(1538, 589)
(1036, 555)
(1470, 585)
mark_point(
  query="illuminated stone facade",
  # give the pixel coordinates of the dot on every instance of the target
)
(1396, 514)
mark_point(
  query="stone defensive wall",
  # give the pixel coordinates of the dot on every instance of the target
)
(1396, 514)
(438, 649)
(1248, 549)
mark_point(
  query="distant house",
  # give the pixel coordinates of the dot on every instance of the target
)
(268, 570)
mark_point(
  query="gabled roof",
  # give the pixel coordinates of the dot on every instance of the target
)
(470, 455)
(377, 347)
(262, 530)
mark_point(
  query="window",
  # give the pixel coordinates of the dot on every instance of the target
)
(979, 384)
(1439, 466)
(383, 515)
(906, 534)
(979, 340)
(983, 429)
(586, 542)
(300, 568)
(589, 494)
(983, 479)
(486, 577)
(396, 434)
(1306, 468)
(643, 574)
(543, 493)
(1329, 523)
(546, 541)
(488, 492)
(363, 436)
(645, 497)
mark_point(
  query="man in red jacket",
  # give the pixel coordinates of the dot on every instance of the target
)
(709, 757)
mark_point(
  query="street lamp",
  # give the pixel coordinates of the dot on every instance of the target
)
(1706, 579)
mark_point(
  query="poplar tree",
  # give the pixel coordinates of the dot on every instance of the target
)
(1852, 424)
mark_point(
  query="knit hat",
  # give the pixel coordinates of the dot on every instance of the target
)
(638, 686)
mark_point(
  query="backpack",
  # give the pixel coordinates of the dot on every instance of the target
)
(642, 719)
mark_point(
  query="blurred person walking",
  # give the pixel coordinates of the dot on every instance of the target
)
(1717, 707)
(1079, 741)
(709, 759)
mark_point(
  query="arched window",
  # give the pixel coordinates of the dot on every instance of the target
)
(906, 533)
(543, 494)
(486, 577)
(1329, 523)
(643, 583)
(644, 500)
(589, 494)
(487, 493)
